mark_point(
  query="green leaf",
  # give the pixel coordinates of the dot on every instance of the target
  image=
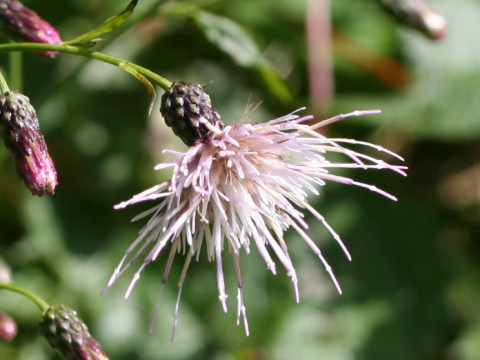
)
(273, 81)
(234, 40)
(151, 90)
(229, 37)
(90, 38)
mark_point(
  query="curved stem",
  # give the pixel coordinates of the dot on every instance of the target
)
(121, 63)
(36, 299)
(15, 70)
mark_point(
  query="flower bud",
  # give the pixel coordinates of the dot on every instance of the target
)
(8, 328)
(22, 24)
(187, 109)
(22, 136)
(5, 272)
(416, 14)
(68, 334)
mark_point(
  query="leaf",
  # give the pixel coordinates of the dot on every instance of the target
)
(151, 90)
(276, 85)
(234, 40)
(90, 38)
(229, 37)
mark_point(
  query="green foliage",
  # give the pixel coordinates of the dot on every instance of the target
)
(411, 291)
(90, 38)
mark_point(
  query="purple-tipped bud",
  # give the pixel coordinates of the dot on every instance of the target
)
(8, 328)
(22, 136)
(188, 110)
(68, 334)
(417, 14)
(22, 24)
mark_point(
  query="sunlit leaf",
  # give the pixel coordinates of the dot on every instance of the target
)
(230, 38)
(235, 41)
(90, 38)
(144, 81)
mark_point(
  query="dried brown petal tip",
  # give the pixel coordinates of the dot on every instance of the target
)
(8, 328)
(188, 110)
(22, 24)
(22, 136)
(68, 334)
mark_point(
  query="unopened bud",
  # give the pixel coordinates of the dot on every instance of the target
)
(417, 14)
(22, 24)
(5, 272)
(188, 110)
(21, 133)
(8, 328)
(68, 334)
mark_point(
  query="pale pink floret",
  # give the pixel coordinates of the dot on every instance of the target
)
(245, 183)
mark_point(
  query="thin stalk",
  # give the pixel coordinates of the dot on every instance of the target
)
(319, 37)
(36, 299)
(138, 15)
(15, 69)
(75, 50)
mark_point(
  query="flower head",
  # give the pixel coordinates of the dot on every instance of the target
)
(22, 24)
(239, 185)
(21, 132)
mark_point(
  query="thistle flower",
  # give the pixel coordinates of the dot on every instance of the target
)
(22, 136)
(237, 185)
(68, 334)
(22, 24)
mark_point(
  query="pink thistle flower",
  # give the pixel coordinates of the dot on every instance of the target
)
(243, 184)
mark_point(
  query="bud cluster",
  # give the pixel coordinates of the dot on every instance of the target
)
(188, 110)
(21, 133)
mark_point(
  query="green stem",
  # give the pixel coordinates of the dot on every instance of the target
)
(36, 299)
(3, 84)
(75, 50)
(16, 70)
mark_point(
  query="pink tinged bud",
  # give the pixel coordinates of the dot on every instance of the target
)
(22, 24)
(21, 133)
(5, 272)
(8, 328)
(69, 335)
(417, 15)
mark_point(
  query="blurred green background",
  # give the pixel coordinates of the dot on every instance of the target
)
(412, 290)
